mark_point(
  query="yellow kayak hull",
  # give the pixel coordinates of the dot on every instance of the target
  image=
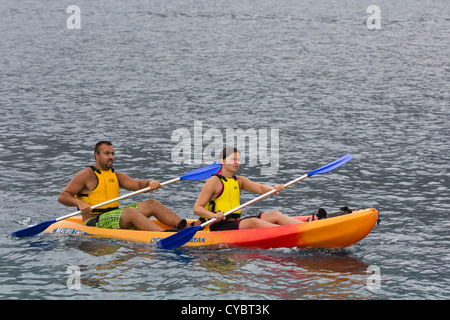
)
(337, 232)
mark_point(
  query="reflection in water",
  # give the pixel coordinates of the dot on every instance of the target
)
(285, 274)
(279, 273)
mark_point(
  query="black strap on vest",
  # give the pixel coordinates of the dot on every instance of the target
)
(223, 178)
(98, 171)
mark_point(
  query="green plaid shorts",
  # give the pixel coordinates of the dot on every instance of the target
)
(111, 219)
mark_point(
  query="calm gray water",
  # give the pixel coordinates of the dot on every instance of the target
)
(309, 73)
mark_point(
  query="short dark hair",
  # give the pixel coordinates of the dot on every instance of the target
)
(99, 144)
(227, 151)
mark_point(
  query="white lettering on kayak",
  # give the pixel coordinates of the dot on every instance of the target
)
(193, 240)
(70, 231)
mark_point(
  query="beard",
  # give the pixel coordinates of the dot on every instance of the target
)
(109, 164)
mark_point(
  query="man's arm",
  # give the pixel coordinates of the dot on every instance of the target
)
(131, 184)
(75, 186)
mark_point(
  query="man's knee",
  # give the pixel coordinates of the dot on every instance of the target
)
(129, 213)
(149, 203)
(128, 217)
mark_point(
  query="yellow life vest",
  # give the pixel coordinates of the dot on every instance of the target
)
(107, 188)
(228, 198)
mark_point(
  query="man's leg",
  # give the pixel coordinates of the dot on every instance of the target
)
(131, 217)
(154, 208)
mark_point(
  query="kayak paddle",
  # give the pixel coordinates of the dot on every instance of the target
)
(185, 235)
(197, 174)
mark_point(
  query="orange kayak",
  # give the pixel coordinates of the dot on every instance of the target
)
(336, 232)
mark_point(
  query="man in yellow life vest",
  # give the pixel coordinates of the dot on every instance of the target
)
(100, 183)
(221, 193)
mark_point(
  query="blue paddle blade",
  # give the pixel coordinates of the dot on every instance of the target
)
(178, 239)
(202, 173)
(34, 230)
(333, 165)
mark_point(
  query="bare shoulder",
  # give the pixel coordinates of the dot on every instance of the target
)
(83, 181)
(125, 180)
(243, 181)
(212, 186)
(121, 174)
(212, 182)
(84, 174)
